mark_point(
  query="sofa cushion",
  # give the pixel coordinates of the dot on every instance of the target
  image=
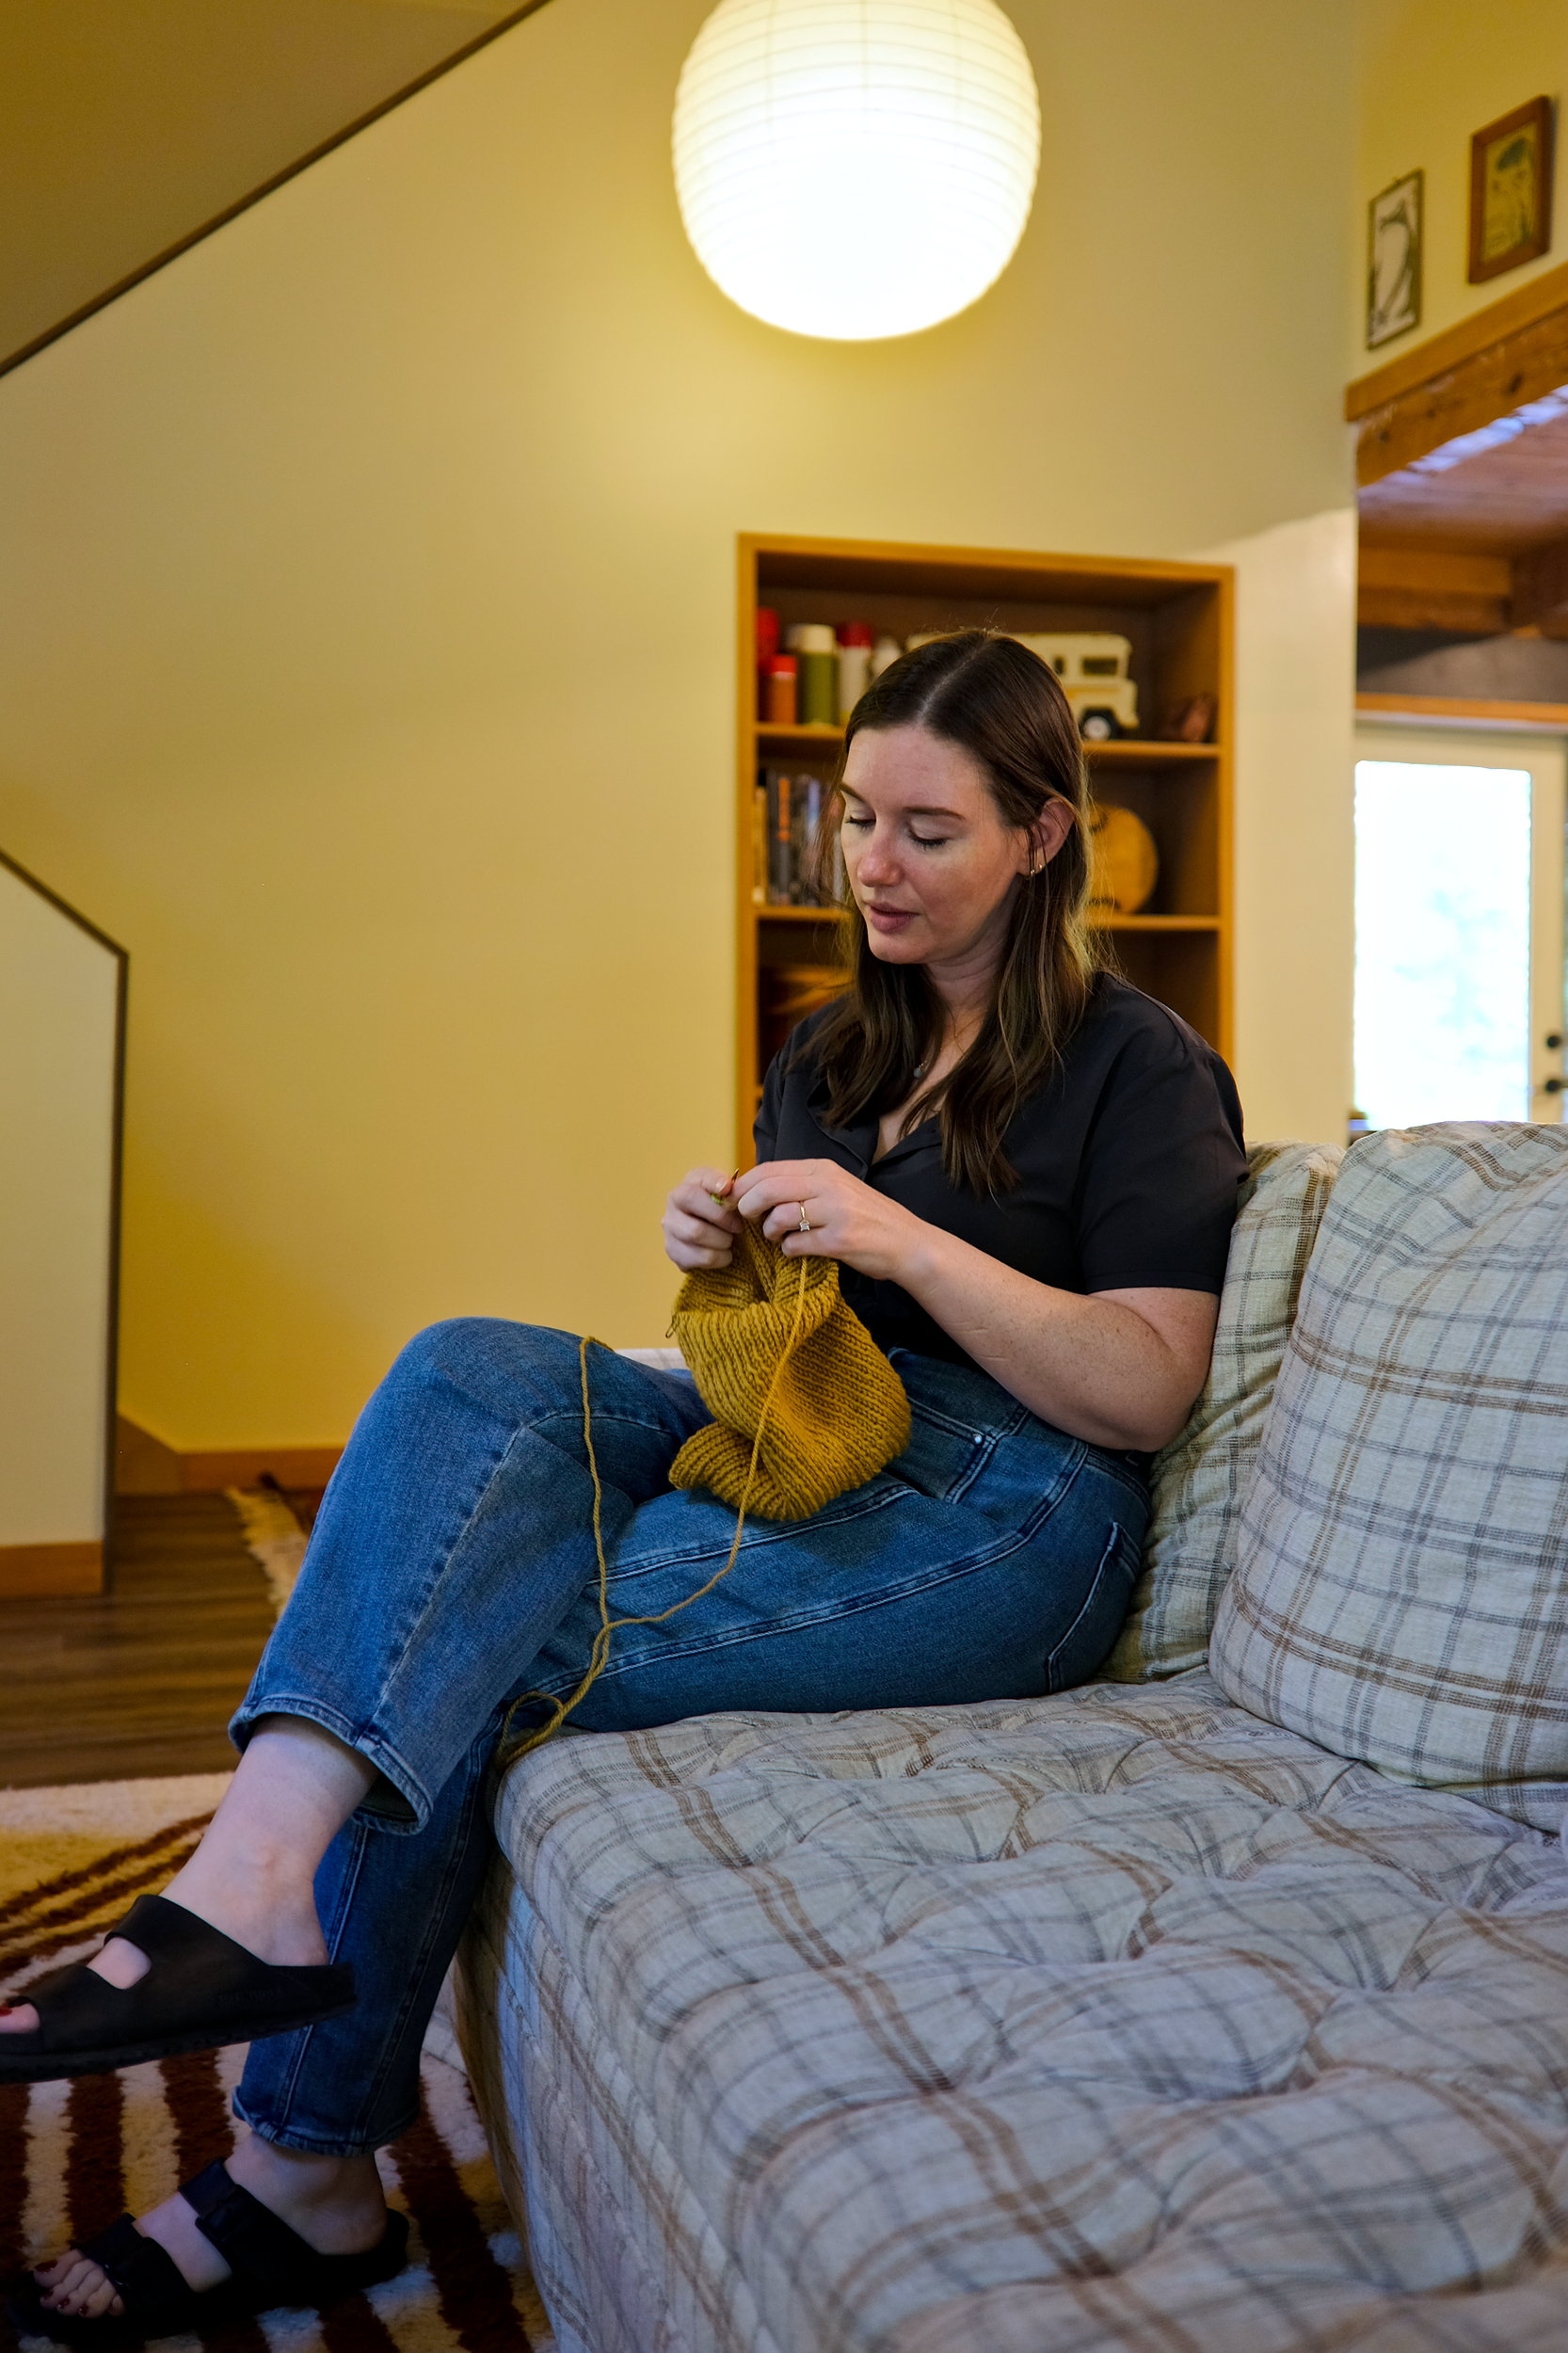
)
(1402, 1586)
(1115, 2022)
(1200, 1477)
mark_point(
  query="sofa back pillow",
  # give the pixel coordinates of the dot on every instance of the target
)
(1400, 1593)
(1198, 1479)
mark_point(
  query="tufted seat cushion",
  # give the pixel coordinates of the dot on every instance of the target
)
(1119, 2019)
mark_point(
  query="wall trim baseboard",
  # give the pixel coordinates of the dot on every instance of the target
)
(146, 1465)
(35, 1570)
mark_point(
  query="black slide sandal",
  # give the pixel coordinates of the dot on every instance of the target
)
(271, 2265)
(202, 1990)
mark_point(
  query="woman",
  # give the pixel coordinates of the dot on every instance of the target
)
(1027, 1173)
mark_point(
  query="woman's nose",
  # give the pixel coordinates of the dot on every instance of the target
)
(877, 862)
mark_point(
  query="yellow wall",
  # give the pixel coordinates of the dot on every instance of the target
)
(59, 1010)
(366, 653)
(1431, 72)
(123, 129)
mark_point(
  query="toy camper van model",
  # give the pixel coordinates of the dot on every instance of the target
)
(1093, 668)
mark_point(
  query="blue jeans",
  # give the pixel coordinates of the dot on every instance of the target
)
(453, 1570)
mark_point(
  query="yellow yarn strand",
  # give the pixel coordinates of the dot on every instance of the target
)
(600, 1654)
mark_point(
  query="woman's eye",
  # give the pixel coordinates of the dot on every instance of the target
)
(929, 841)
(856, 821)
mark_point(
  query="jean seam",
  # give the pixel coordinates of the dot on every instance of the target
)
(1112, 1548)
(402, 1638)
(395, 1661)
(365, 1739)
(316, 2145)
(878, 1494)
(434, 1915)
(981, 1459)
(948, 1572)
(369, 2132)
(289, 2088)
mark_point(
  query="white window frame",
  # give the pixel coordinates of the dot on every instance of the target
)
(1545, 756)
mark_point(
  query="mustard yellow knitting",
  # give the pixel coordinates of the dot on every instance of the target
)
(836, 1411)
(807, 1406)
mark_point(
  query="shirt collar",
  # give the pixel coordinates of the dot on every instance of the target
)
(859, 1138)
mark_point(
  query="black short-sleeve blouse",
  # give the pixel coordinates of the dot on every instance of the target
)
(1129, 1159)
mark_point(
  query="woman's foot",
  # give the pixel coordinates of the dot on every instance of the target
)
(271, 1912)
(334, 2203)
(253, 1874)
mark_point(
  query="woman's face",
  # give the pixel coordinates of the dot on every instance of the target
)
(931, 863)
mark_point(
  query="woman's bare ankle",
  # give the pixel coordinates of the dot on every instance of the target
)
(253, 1874)
(336, 2204)
(268, 1909)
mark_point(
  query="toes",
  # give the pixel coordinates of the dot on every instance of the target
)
(97, 2301)
(70, 2281)
(18, 2018)
(75, 2285)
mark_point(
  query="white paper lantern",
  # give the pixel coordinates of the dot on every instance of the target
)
(856, 169)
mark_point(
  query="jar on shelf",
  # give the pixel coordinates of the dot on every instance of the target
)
(778, 681)
(816, 649)
(855, 665)
(884, 654)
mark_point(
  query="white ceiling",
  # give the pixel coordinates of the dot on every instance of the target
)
(125, 125)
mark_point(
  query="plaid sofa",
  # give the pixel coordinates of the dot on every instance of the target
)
(1134, 2017)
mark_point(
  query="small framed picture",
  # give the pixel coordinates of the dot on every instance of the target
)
(1394, 260)
(1510, 190)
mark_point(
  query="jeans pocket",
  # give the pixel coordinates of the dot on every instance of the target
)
(1087, 1640)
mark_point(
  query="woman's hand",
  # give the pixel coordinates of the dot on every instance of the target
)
(848, 1220)
(698, 1221)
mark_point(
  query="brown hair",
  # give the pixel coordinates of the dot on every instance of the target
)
(1003, 706)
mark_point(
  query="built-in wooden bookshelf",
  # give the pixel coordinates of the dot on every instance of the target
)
(1179, 620)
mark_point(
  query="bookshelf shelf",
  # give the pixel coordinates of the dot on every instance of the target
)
(1155, 923)
(1106, 922)
(1132, 751)
(1179, 620)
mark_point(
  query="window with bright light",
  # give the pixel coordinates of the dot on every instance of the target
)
(1441, 942)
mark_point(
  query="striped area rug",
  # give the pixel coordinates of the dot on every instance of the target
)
(73, 2155)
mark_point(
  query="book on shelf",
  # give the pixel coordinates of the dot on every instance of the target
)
(787, 811)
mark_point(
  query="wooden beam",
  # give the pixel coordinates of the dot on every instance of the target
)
(1540, 589)
(1477, 404)
(28, 1570)
(1430, 588)
(1536, 300)
(1461, 711)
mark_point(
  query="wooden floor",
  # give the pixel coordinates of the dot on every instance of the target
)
(143, 1679)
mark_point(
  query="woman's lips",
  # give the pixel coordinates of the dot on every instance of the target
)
(888, 919)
